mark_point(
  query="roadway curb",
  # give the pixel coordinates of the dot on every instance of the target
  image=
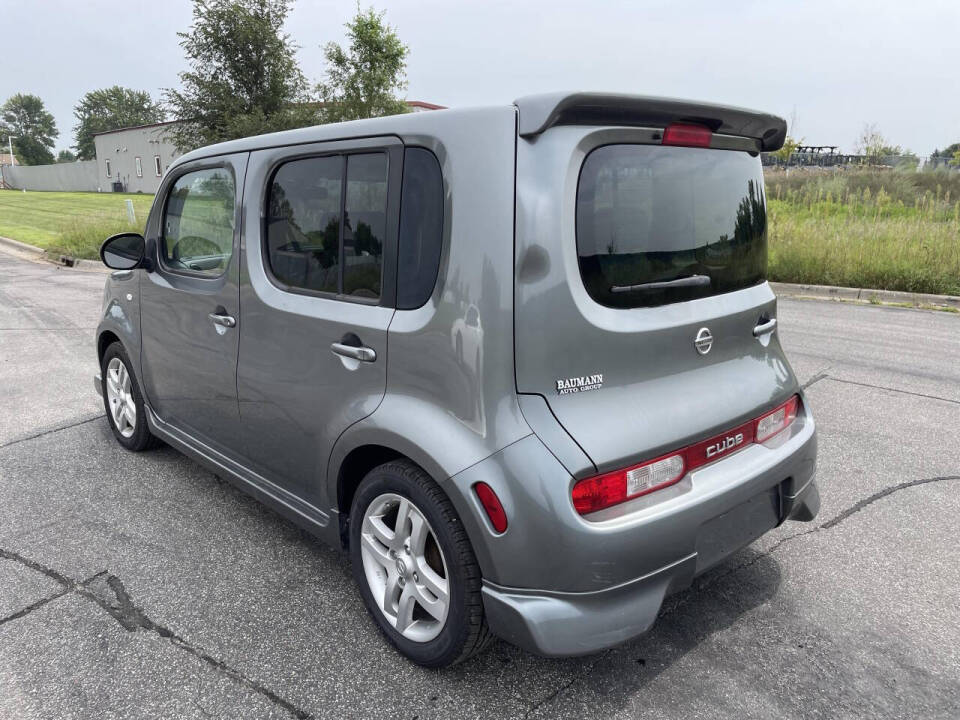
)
(37, 253)
(20, 247)
(864, 295)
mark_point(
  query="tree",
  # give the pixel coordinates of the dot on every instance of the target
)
(790, 146)
(873, 144)
(32, 129)
(65, 156)
(365, 79)
(243, 78)
(108, 109)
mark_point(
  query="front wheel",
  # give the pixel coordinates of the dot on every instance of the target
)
(415, 567)
(123, 401)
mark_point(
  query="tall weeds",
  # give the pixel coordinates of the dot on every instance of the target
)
(875, 229)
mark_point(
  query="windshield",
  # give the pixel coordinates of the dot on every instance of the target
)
(658, 225)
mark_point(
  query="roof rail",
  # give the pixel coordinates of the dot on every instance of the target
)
(540, 112)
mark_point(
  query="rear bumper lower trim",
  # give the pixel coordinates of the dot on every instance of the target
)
(557, 624)
(560, 624)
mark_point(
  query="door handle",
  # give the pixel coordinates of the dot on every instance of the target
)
(223, 319)
(765, 328)
(361, 353)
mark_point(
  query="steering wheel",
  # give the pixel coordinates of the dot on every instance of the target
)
(197, 246)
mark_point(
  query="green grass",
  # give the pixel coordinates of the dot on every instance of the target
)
(67, 222)
(867, 229)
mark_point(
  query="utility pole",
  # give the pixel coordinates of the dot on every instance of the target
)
(13, 160)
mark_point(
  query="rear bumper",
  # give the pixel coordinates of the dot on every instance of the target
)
(557, 583)
(559, 624)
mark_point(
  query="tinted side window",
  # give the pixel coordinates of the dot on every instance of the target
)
(421, 228)
(303, 223)
(198, 222)
(364, 224)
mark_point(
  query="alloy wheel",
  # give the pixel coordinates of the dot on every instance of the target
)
(123, 408)
(405, 567)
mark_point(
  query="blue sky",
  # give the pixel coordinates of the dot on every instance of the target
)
(832, 66)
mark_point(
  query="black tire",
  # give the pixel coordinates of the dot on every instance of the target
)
(142, 438)
(465, 632)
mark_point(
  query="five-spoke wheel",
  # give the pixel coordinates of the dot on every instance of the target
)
(123, 409)
(415, 566)
(123, 400)
(404, 567)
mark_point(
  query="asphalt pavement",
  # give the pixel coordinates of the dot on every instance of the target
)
(142, 586)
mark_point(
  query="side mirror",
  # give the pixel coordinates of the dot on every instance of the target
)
(123, 251)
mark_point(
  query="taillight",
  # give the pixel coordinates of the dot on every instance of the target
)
(602, 491)
(618, 486)
(687, 135)
(780, 419)
(491, 503)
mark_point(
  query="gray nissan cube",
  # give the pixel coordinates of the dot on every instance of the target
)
(521, 362)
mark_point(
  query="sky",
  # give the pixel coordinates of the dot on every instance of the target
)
(827, 66)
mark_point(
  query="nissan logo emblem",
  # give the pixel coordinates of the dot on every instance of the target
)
(703, 341)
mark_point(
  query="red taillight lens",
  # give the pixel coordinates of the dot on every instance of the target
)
(491, 503)
(615, 487)
(780, 419)
(612, 488)
(687, 135)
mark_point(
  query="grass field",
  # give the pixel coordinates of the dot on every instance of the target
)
(860, 228)
(67, 222)
(870, 229)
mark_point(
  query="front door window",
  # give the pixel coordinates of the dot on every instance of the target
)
(198, 222)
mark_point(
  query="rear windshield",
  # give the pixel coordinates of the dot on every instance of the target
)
(658, 225)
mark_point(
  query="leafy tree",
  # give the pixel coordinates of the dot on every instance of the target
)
(947, 152)
(364, 80)
(65, 156)
(243, 78)
(108, 109)
(790, 146)
(950, 155)
(33, 129)
(873, 144)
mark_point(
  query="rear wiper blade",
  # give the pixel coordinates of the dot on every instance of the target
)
(690, 281)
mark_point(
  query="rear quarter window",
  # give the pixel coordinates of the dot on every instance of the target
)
(658, 225)
(421, 228)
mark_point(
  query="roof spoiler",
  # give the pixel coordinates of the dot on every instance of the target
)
(540, 112)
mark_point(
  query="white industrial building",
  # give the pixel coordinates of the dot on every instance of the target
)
(133, 159)
(130, 159)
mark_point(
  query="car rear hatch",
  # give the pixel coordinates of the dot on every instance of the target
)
(643, 316)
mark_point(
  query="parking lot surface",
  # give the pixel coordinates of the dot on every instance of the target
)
(142, 586)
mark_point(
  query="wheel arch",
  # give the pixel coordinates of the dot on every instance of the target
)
(104, 340)
(351, 466)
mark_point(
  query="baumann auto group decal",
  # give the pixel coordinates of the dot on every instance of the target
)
(584, 383)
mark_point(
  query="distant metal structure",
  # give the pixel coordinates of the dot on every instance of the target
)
(822, 156)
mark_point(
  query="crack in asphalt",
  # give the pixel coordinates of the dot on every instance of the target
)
(35, 606)
(697, 588)
(822, 375)
(896, 390)
(52, 430)
(857, 507)
(116, 601)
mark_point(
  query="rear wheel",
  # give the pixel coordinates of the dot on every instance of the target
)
(415, 567)
(123, 401)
